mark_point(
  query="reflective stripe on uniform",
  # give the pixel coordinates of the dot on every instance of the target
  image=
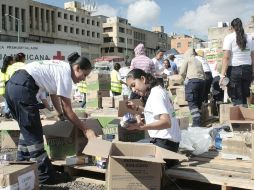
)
(39, 158)
(22, 148)
(3, 79)
(35, 147)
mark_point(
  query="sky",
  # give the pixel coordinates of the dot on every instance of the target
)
(192, 17)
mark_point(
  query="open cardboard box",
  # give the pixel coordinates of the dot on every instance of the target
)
(240, 114)
(19, 175)
(131, 165)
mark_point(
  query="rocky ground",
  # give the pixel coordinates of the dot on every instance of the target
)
(73, 186)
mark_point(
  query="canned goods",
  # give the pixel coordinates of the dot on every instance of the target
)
(127, 119)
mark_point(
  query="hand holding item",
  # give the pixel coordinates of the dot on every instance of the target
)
(223, 82)
(90, 134)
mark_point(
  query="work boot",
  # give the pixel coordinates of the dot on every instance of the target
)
(58, 178)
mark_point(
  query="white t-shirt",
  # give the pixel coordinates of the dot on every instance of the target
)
(159, 103)
(52, 76)
(205, 65)
(158, 65)
(168, 72)
(238, 57)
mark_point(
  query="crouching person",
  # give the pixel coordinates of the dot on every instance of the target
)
(55, 77)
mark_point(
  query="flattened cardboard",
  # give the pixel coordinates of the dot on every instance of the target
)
(240, 114)
(57, 128)
(225, 112)
(124, 109)
(97, 147)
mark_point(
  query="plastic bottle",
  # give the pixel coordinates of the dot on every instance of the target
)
(218, 141)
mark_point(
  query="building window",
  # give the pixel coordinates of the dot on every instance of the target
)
(129, 41)
(121, 29)
(82, 20)
(88, 33)
(129, 31)
(71, 30)
(109, 50)
(59, 27)
(71, 17)
(10, 18)
(77, 19)
(42, 20)
(93, 22)
(31, 16)
(88, 21)
(83, 32)
(108, 29)
(189, 44)
(121, 39)
(23, 18)
(3, 17)
(59, 14)
(65, 15)
(107, 39)
(65, 28)
(77, 31)
(120, 50)
(37, 18)
(178, 45)
(98, 23)
(98, 35)
(53, 21)
(93, 34)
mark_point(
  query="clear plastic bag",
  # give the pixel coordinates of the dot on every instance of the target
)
(196, 139)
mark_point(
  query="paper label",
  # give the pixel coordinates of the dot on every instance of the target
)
(26, 181)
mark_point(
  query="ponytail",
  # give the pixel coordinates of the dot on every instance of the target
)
(240, 35)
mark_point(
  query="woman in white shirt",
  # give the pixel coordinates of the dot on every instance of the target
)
(238, 63)
(160, 119)
(55, 77)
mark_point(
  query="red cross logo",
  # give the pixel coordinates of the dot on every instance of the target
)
(59, 56)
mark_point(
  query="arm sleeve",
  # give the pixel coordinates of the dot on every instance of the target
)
(159, 102)
(227, 45)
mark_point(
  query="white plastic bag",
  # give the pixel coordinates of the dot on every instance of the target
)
(196, 139)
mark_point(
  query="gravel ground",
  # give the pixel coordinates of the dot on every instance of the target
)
(73, 185)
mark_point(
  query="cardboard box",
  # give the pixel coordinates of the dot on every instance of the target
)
(180, 97)
(9, 134)
(124, 109)
(175, 80)
(117, 99)
(122, 134)
(131, 165)
(240, 114)
(237, 147)
(62, 139)
(98, 81)
(183, 122)
(225, 112)
(108, 102)
(94, 98)
(19, 175)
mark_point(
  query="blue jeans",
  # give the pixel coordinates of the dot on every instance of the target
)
(240, 78)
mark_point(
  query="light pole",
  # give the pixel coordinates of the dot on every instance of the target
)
(18, 21)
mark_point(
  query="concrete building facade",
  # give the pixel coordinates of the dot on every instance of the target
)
(120, 38)
(183, 42)
(44, 23)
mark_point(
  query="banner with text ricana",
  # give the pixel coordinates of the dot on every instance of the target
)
(37, 51)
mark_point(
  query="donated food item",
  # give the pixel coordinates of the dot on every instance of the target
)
(127, 119)
(101, 162)
(225, 81)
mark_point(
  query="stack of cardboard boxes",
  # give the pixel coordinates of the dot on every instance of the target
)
(98, 86)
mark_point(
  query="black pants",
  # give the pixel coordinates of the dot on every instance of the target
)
(194, 95)
(21, 93)
(169, 145)
(240, 78)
